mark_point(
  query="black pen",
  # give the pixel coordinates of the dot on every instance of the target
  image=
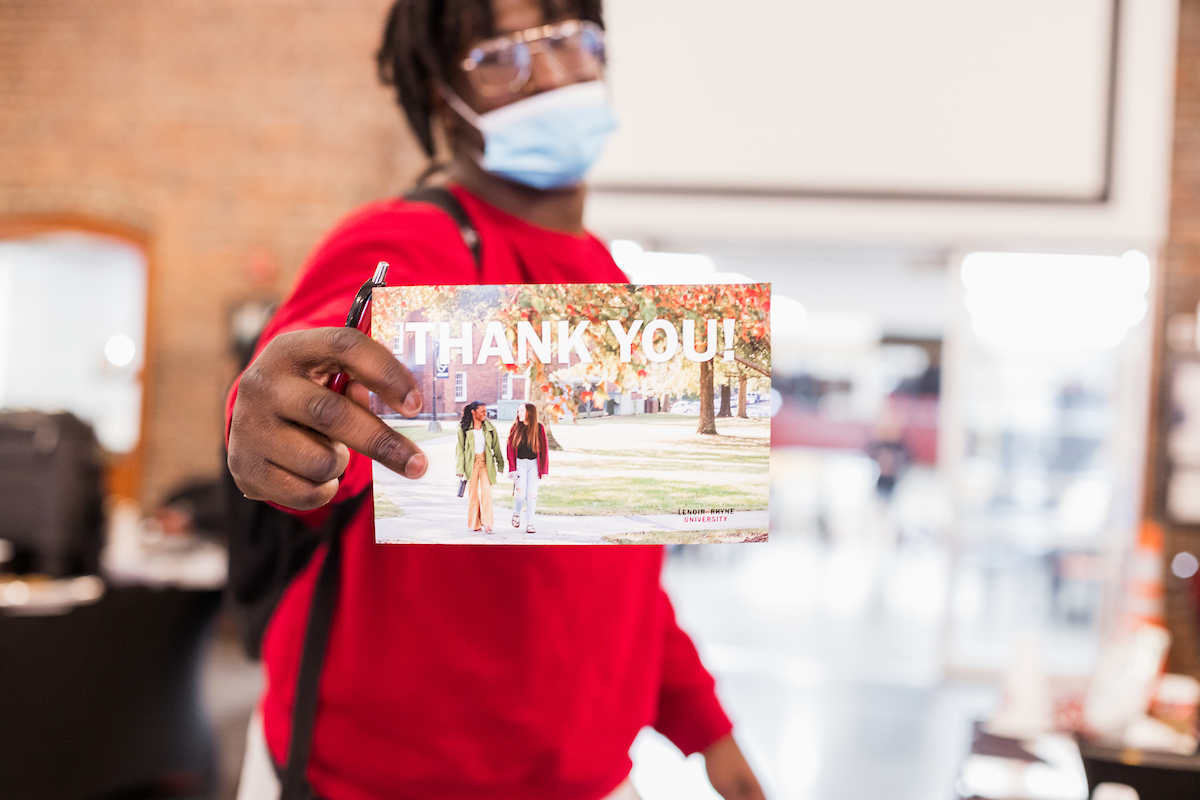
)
(359, 318)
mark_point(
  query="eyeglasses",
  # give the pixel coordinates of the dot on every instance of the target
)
(502, 65)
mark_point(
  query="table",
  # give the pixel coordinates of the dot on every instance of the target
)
(104, 699)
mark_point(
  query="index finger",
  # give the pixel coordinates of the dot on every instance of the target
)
(342, 420)
(368, 363)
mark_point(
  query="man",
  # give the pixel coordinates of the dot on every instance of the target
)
(464, 672)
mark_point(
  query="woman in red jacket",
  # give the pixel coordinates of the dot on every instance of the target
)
(529, 458)
(455, 672)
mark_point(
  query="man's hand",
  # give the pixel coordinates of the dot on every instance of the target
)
(729, 773)
(289, 435)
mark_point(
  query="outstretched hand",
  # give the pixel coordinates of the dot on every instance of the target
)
(729, 773)
(290, 437)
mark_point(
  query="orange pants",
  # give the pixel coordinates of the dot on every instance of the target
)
(479, 496)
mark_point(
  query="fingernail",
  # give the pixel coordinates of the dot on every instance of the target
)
(412, 401)
(416, 466)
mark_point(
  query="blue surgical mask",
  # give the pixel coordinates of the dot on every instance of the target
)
(547, 141)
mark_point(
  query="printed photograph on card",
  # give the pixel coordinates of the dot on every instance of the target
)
(580, 413)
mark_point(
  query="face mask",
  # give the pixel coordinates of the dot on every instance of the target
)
(547, 141)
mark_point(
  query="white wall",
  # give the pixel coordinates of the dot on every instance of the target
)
(921, 98)
(902, 292)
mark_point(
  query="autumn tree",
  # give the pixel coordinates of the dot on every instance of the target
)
(752, 366)
(547, 308)
(547, 311)
(748, 304)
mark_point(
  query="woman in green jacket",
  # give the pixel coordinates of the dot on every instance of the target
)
(477, 440)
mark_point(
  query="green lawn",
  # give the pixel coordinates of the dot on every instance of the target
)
(652, 464)
(384, 507)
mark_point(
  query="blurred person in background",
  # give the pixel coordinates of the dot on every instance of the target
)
(888, 449)
(195, 508)
(455, 672)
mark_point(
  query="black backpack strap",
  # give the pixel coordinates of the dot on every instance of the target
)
(441, 197)
(293, 776)
(312, 658)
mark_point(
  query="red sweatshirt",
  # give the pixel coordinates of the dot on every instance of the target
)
(459, 671)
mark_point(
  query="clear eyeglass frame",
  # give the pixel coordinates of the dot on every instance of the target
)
(503, 65)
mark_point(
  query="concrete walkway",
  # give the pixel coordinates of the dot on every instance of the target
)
(435, 514)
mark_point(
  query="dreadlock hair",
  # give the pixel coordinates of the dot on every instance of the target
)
(423, 41)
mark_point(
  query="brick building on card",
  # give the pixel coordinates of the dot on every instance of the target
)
(456, 384)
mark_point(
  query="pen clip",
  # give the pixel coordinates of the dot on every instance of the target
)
(358, 317)
(362, 300)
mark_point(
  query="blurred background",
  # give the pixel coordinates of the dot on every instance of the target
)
(981, 219)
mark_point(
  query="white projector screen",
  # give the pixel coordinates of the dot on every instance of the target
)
(921, 98)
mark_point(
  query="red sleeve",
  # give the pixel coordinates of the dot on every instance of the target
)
(544, 452)
(689, 713)
(421, 245)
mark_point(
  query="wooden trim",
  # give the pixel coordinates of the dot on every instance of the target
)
(17, 226)
(1153, 506)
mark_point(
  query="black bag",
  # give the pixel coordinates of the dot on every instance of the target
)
(268, 547)
(51, 494)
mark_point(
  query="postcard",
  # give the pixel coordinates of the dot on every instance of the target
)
(580, 413)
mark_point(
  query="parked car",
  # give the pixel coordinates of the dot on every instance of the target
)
(761, 409)
(685, 407)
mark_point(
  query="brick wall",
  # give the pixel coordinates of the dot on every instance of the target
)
(1179, 295)
(217, 132)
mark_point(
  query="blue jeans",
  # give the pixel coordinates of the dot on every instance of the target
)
(527, 486)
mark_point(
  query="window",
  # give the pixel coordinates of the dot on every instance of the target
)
(460, 387)
(397, 344)
(90, 360)
(506, 388)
